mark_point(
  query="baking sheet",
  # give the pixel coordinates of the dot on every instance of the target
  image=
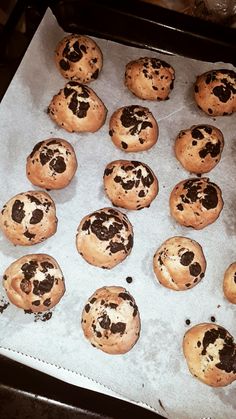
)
(154, 372)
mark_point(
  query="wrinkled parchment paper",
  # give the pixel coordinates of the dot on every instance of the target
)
(154, 373)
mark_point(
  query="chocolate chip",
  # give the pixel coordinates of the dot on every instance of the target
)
(36, 303)
(47, 302)
(18, 213)
(36, 217)
(58, 164)
(210, 199)
(29, 269)
(210, 148)
(104, 321)
(65, 65)
(129, 279)
(25, 286)
(124, 145)
(195, 269)
(187, 321)
(180, 207)
(87, 308)
(186, 258)
(118, 327)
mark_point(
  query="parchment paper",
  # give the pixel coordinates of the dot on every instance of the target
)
(154, 372)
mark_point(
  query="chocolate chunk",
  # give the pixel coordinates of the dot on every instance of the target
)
(33, 198)
(130, 242)
(113, 305)
(87, 308)
(102, 231)
(95, 74)
(47, 302)
(186, 258)
(108, 171)
(92, 301)
(212, 149)
(195, 269)
(45, 156)
(180, 207)
(125, 296)
(197, 134)
(17, 213)
(141, 194)
(36, 148)
(116, 247)
(65, 65)
(124, 145)
(118, 327)
(36, 303)
(25, 285)
(46, 265)
(198, 343)
(210, 199)
(86, 225)
(194, 142)
(29, 269)
(83, 109)
(37, 216)
(222, 92)
(29, 235)
(196, 90)
(213, 319)
(104, 321)
(227, 354)
(129, 279)
(187, 321)
(58, 164)
(44, 286)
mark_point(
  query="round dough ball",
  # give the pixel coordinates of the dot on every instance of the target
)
(77, 108)
(179, 263)
(130, 184)
(210, 353)
(229, 283)
(149, 78)
(29, 218)
(215, 92)
(199, 148)
(52, 164)
(196, 202)
(110, 320)
(79, 58)
(34, 282)
(133, 128)
(105, 238)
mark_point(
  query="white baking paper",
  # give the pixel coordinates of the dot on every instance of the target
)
(154, 373)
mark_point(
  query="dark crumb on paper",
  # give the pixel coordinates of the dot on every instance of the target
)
(160, 403)
(213, 319)
(142, 385)
(218, 306)
(44, 317)
(3, 305)
(129, 279)
(40, 316)
(187, 321)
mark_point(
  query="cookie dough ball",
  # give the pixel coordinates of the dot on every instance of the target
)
(229, 283)
(196, 202)
(110, 320)
(133, 128)
(210, 353)
(199, 148)
(34, 282)
(105, 238)
(149, 78)
(130, 184)
(215, 92)
(79, 58)
(179, 263)
(29, 218)
(52, 164)
(77, 108)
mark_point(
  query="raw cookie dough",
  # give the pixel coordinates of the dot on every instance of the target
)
(78, 58)
(29, 218)
(196, 202)
(51, 164)
(34, 282)
(130, 184)
(199, 148)
(110, 320)
(215, 92)
(133, 128)
(229, 283)
(149, 78)
(105, 238)
(77, 108)
(179, 263)
(210, 353)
